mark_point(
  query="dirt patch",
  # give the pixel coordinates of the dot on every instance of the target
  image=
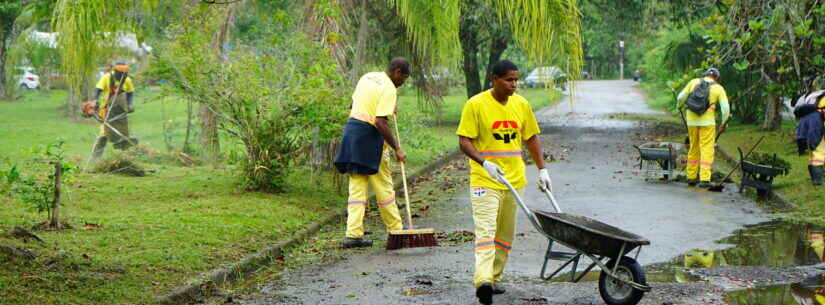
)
(455, 238)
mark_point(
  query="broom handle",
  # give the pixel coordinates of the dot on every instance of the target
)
(403, 176)
(743, 159)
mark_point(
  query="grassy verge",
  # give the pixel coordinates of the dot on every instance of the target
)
(794, 186)
(135, 238)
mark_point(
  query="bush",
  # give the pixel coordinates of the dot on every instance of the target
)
(274, 100)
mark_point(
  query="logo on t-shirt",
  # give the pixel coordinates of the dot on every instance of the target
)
(505, 131)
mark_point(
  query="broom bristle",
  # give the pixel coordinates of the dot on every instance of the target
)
(411, 239)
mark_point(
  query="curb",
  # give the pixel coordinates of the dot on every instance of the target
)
(200, 286)
(774, 196)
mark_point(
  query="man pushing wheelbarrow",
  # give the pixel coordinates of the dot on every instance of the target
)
(493, 126)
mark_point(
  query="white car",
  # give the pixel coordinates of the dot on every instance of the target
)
(28, 80)
(541, 75)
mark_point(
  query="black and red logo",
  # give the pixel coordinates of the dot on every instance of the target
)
(505, 130)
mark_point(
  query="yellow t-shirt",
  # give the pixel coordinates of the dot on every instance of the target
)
(718, 99)
(497, 131)
(374, 96)
(103, 84)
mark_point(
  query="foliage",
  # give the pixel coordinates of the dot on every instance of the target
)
(544, 30)
(86, 29)
(38, 190)
(274, 101)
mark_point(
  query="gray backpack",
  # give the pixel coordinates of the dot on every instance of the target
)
(699, 99)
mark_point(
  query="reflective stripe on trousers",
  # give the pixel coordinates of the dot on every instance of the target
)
(701, 153)
(381, 183)
(494, 215)
(818, 155)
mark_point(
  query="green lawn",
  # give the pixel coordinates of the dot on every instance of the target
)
(138, 237)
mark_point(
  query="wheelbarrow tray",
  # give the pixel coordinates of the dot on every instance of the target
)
(751, 167)
(659, 150)
(588, 235)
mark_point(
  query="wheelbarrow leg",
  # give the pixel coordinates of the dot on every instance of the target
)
(575, 266)
(547, 257)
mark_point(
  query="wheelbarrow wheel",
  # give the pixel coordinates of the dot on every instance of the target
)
(615, 292)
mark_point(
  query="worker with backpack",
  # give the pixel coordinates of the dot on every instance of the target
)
(702, 97)
(809, 109)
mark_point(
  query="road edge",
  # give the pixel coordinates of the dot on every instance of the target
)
(198, 287)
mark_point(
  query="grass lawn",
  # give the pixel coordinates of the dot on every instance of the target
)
(794, 186)
(138, 237)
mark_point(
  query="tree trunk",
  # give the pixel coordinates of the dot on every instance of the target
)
(773, 113)
(3, 55)
(468, 37)
(210, 143)
(54, 222)
(497, 47)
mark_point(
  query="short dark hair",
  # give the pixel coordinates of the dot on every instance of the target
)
(399, 63)
(503, 67)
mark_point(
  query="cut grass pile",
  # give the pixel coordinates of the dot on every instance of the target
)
(135, 238)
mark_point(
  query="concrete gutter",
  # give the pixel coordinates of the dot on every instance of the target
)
(201, 285)
(774, 196)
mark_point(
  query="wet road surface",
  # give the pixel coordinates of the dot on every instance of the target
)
(594, 177)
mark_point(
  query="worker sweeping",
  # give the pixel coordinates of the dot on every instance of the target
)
(113, 108)
(493, 126)
(363, 152)
(810, 111)
(702, 97)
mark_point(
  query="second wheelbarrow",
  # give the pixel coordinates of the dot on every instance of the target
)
(622, 279)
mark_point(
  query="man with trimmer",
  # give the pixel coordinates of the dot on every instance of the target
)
(113, 109)
(493, 126)
(702, 97)
(363, 152)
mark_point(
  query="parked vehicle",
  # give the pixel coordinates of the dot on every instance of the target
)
(28, 80)
(543, 75)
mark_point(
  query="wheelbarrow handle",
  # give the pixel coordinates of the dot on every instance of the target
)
(552, 200)
(530, 215)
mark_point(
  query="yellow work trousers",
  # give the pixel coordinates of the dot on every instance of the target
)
(381, 183)
(494, 214)
(818, 155)
(701, 153)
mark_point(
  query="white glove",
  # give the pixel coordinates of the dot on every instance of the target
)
(493, 170)
(544, 180)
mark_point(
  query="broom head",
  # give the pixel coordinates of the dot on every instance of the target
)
(411, 239)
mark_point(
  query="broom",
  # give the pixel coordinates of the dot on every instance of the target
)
(411, 237)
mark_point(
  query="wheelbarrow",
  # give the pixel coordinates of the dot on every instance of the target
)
(652, 152)
(622, 279)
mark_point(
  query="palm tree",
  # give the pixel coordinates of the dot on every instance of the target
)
(546, 30)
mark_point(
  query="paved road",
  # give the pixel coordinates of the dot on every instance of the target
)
(594, 177)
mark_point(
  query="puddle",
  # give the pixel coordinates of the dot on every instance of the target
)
(775, 244)
(810, 291)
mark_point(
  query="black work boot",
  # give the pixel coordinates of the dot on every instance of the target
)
(692, 182)
(704, 184)
(816, 174)
(499, 289)
(484, 293)
(350, 242)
